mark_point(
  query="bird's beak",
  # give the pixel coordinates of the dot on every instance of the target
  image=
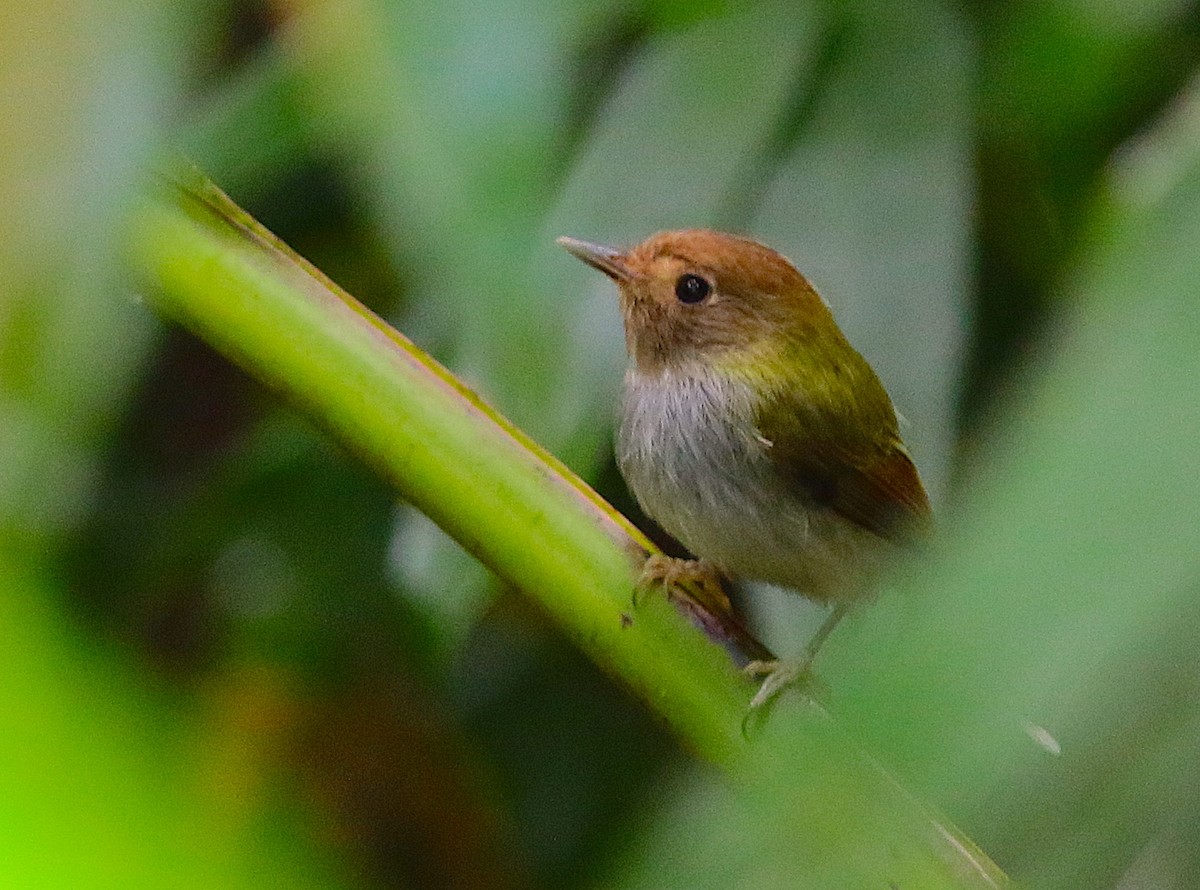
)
(608, 260)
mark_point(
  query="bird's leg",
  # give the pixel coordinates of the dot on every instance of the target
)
(697, 579)
(784, 672)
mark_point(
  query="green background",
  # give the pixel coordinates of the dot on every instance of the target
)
(229, 657)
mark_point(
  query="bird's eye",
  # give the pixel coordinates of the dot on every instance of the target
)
(692, 288)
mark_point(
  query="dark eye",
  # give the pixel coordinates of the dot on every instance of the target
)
(692, 288)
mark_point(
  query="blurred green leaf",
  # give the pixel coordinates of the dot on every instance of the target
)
(249, 130)
(1061, 84)
(886, 240)
(104, 784)
(106, 787)
(454, 174)
(69, 346)
(1035, 677)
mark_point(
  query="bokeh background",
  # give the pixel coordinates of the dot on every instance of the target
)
(229, 657)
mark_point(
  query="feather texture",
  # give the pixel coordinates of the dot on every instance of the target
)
(751, 430)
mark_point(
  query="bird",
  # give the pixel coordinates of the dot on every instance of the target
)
(751, 430)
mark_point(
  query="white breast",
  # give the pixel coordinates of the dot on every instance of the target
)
(690, 451)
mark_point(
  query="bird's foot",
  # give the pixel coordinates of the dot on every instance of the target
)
(784, 672)
(696, 579)
(781, 674)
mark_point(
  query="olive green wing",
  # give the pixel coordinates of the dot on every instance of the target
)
(846, 454)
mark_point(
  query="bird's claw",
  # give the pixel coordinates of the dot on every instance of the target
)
(781, 674)
(697, 579)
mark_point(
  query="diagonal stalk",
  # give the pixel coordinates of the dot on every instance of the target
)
(210, 266)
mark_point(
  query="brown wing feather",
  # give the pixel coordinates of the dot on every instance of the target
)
(884, 495)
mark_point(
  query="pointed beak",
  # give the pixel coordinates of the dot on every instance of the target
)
(608, 260)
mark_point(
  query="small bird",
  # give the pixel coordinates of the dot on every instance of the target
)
(752, 431)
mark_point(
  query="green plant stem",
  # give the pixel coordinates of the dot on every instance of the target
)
(211, 267)
(504, 499)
